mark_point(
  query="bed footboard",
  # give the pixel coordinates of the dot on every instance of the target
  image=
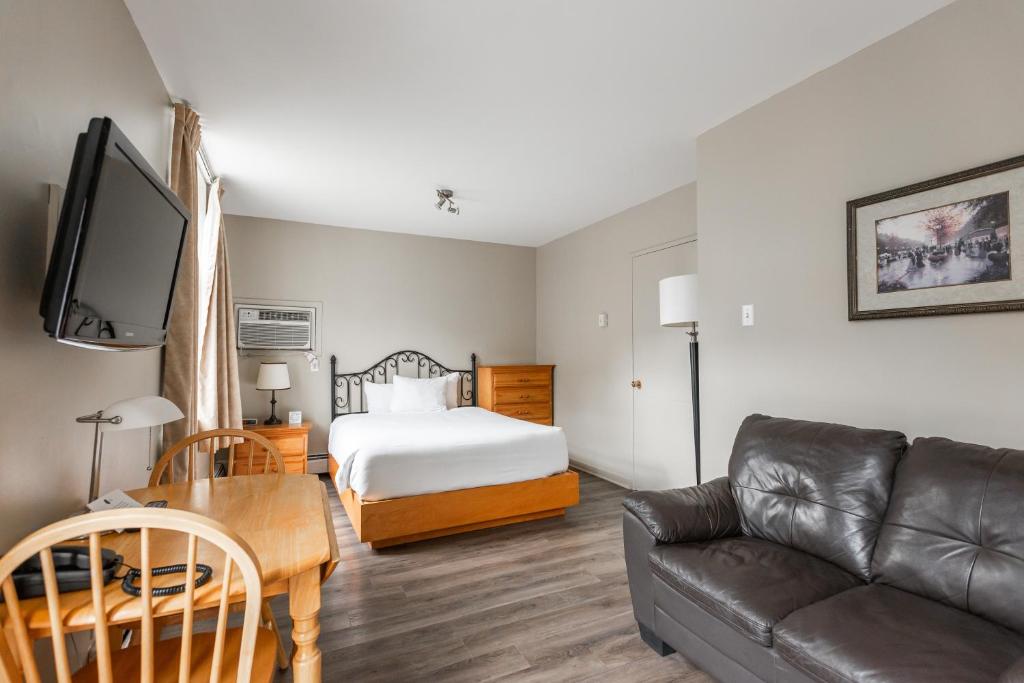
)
(383, 523)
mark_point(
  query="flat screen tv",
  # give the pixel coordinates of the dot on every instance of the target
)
(115, 256)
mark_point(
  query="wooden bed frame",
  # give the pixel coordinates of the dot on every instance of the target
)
(383, 523)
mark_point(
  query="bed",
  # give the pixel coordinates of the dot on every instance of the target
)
(413, 476)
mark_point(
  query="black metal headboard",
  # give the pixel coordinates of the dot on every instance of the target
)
(349, 398)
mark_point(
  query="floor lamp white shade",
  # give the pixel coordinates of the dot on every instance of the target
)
(678, 298)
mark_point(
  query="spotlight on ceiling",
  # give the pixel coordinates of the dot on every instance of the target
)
(445, 197)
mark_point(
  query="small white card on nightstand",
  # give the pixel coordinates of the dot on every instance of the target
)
(294, 417)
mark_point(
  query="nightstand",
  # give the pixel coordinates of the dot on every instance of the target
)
(291, 440)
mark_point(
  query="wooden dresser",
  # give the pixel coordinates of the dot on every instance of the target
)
(525, 392)
(291, 440)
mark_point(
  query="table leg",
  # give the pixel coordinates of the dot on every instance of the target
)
(304, 607)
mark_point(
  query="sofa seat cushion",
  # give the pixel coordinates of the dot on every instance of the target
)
(880, 633)
(749, 583)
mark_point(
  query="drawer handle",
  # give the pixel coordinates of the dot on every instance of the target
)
(524, 396)
(522, 412)
(523, 379)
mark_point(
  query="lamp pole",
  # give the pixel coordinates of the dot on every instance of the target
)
(97, 448)
(695, 396)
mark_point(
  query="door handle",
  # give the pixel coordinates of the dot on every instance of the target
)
(636, 384)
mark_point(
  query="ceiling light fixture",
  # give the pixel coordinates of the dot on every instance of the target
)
(445, 197)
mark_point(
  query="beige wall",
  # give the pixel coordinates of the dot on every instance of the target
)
(579, 276)
(381, 292)
(941, 96)
(62, 63)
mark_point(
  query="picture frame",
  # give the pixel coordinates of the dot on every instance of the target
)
(946, 246)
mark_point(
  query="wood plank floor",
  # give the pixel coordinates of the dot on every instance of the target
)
(539, 601)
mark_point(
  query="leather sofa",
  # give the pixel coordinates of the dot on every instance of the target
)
(832, 553)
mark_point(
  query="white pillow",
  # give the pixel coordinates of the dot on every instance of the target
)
(419, 395)
(451, 390)
(378, 397)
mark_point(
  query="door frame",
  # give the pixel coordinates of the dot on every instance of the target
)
(634, 255)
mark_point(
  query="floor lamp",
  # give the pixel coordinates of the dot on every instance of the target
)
(678, 298)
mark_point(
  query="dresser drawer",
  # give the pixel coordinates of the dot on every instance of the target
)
(526, 411)
(527, 393)
(525, 377)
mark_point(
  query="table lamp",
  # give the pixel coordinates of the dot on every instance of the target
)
(132, 413)
(273, 377)
(678, 299)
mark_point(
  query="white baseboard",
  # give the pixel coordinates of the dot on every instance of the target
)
(601, 474)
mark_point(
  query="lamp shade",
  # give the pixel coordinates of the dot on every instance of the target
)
(139, 412)
(273, 376)
(678, 300)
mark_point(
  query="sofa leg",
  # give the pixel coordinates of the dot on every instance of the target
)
(654, 642)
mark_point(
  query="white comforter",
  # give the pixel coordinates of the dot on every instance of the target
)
(396, 455)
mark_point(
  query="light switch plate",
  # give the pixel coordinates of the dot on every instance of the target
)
(747, 315)
(602, 320)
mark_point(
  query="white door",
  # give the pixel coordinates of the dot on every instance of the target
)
(663, 453)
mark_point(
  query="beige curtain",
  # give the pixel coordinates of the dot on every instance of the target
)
(200, 373)
(181, 351)
(220, 401)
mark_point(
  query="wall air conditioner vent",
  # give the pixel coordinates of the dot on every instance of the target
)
(276, 328)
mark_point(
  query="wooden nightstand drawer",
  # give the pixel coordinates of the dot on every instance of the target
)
(526, 411)
(291, 446)
(525, 377)
(294, 465)
(291, 440)
(523, 394)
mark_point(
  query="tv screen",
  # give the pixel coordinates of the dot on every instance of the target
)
(115, 258)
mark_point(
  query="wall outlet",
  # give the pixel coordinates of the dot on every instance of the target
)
(747, 315)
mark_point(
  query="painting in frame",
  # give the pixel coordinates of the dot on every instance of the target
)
(949, 245)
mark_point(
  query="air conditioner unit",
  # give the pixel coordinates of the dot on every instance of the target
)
(277, 328)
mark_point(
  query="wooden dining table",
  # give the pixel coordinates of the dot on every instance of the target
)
(285, 519)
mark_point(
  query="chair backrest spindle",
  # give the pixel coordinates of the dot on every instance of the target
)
(60, 650)
(187, 617)
(99, 608)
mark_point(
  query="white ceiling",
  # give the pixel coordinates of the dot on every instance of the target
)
(543, 115)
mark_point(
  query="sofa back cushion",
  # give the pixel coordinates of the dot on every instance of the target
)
(817, 487)
(954, 531)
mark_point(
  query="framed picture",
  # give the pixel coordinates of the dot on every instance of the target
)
(950, 245)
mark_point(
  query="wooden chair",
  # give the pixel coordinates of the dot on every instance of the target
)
(250, 462)
(236, 654)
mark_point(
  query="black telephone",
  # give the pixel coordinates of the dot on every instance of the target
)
(71, 563)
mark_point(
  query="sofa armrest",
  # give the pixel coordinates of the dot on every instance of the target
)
(698, 513)
(1015, 674)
